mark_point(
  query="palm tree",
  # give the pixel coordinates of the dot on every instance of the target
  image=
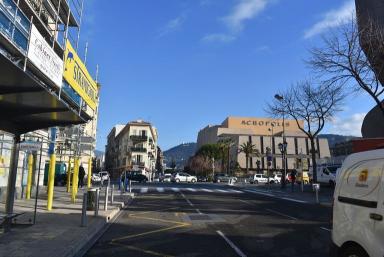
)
(248, 149)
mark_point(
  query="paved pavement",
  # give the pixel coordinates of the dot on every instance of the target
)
(57, 232)
(215, 220)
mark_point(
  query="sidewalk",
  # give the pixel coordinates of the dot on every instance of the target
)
(308, 196)
(58, 232)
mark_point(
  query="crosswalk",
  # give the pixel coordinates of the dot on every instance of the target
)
(144, 190)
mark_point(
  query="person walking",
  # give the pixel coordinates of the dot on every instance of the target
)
(81, 176)
(293, 179)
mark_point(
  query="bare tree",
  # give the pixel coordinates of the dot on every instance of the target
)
(312, 104)
(343, 61)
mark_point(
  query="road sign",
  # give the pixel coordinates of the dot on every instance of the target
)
(30, 146)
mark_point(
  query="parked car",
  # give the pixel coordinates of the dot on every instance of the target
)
(276, 178)
(166, 178)
(258, 178)
(221, 177)
(202, 179)
(326, 174)
(104, 175)
(137, 177)
(96, 177)
(358, 209)
(183, 177)
(302, 176)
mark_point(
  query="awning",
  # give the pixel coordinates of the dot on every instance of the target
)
(27, 105)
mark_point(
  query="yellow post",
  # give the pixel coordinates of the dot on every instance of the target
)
(29, 178)
(69, 175)
(75, 180)
(89, 172)
(51, 180)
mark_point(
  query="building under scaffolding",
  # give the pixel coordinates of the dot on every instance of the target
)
(39, 40)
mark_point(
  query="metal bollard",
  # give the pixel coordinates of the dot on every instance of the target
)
(130, 186)
(316, 187)
(97, 202)
(112, 194)
(84, 211)
(106, 199)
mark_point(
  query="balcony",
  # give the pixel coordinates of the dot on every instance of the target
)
(136, 138)
(139, 149)
(140, 164)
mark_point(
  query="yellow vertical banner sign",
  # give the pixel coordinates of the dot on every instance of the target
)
(29, 178)
(78, 77)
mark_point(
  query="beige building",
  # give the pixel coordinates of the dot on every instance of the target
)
(263, 133)
(132, 147)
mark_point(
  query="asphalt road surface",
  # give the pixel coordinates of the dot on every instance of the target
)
(214, 220)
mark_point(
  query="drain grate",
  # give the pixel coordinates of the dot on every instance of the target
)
(199, 217)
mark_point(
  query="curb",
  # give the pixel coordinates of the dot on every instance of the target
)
(92, 239)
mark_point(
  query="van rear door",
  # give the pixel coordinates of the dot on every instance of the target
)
(360, 199)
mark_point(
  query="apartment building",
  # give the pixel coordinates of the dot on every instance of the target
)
(132, 147)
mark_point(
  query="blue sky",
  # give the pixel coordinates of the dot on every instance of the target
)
(183, 64)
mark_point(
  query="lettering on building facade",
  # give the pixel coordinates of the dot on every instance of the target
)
(261, 123)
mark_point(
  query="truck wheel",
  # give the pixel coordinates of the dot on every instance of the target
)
(193, 181)
(354, 251)
(177, 180)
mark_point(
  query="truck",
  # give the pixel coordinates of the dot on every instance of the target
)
(326, 174)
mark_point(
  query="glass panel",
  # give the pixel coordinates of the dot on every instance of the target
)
(20, 39)
(10, 6)
(5, 24)
(23, 21)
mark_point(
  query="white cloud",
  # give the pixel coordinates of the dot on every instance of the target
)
(224, 38)
(172, 25)
(349, 126)
(244, 10)
(332, 19)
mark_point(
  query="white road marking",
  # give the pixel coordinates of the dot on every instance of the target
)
(281, 214)
(207, 190)
(190, 203)
(199, 212)
(144, 190)
(235, 191)
(243, 201)
(231, 244)
(257, 192)
(160, 189)
(191, 189)
(175, 189)
(293, 200)
(326, 229)
(222, 191)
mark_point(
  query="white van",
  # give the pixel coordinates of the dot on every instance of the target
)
(358, 210)
(326, 174)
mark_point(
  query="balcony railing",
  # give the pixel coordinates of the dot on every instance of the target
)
(139, 149)
(138, 138)
(14, 24)
(142, 164)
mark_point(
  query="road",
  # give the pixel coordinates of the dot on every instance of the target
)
(214, 220)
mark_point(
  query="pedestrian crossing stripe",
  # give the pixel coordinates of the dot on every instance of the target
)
(189, 189)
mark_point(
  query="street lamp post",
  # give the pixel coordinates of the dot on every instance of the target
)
(283, 150)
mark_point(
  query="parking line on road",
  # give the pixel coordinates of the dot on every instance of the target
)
(236, 191)
(144, 190)
(191, 189)
(281, 214)
(222, 191)
(175, 189)
(326, 229)
(160, 189)
(207, 190)
(231, 244)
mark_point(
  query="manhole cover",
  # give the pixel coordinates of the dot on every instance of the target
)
(199, 217)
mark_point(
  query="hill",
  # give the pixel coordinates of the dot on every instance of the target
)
(180, 154)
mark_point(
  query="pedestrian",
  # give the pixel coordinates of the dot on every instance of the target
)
(81, 176)
(293, 178)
